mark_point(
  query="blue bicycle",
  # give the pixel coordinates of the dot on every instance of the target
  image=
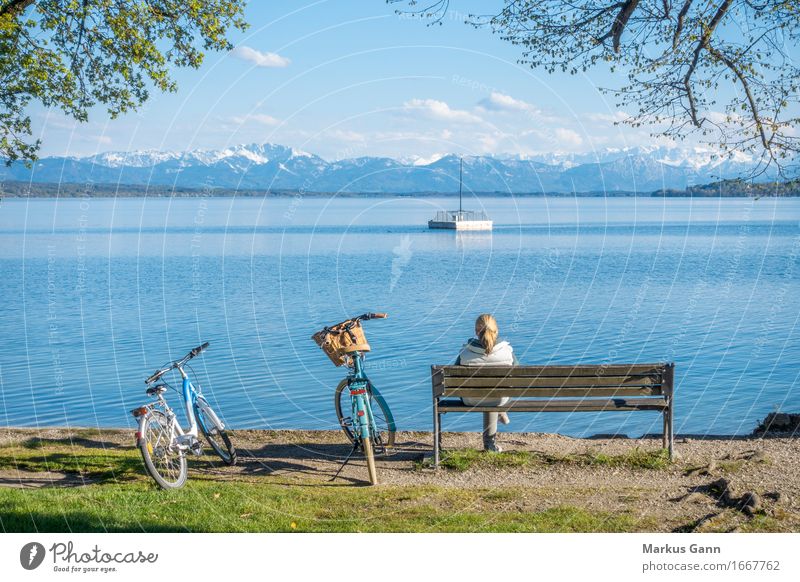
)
(366, 418)
(160, 438)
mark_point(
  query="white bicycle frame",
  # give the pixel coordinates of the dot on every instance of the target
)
(191, 397)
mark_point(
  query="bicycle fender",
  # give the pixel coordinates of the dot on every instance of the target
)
(209, 413)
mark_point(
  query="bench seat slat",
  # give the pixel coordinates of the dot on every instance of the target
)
(489, 392)
(553, 371)
(565, 382)
(559, 405)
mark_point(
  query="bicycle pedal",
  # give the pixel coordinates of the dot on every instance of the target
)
(197, 448)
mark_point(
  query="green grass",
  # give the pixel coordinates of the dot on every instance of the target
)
(727, 467)
(465, 459)
(771, 521)
(88, 464)
(79, 456)
(761, 522)
(730, 466)
(636, 458)
(210, 506)
(123, 498)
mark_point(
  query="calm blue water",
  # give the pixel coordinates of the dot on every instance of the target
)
(100, 292)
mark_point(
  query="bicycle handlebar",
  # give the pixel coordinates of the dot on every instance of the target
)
(193, 353)
(157, 375)
(196, 351)
(373, 316)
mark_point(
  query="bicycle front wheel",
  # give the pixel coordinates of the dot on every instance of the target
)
(216, 437)
(165, 463)
(384, 421)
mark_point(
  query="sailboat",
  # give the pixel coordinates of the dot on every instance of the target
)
(461, 219)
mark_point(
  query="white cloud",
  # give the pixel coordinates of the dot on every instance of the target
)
(723, 118)
(346, 135)
(259, 58)
(568, 137)
(517, 110)
(500, 102)
(440, 110)
(488, 143)
(259, 118)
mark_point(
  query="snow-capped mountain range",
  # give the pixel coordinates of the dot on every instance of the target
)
(276, 167)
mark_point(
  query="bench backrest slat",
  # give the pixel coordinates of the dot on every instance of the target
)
(550, 381)
(556, 370)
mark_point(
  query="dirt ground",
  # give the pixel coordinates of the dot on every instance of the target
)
(762, 472)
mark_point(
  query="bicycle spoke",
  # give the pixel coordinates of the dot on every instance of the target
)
(166, 461)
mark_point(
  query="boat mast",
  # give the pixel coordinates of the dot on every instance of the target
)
(460, 179)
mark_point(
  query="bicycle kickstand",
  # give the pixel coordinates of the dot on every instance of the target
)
(346, 460)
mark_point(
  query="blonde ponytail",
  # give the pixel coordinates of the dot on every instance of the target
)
(486, 330)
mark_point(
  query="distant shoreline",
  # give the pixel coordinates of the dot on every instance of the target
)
(729, 189)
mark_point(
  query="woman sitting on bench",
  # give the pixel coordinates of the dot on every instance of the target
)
(485, 349)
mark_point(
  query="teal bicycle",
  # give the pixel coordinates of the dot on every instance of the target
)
(361, 411)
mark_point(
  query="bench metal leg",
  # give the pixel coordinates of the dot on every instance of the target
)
(669, 390)
(671, 432)
(440, 433)
(437, 434)
(664, 435)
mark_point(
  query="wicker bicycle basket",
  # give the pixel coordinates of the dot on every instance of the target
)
(338, 341)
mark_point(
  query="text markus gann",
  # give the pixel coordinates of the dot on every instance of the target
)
(691, 549)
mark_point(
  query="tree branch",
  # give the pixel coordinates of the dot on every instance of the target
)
(701, 45)
(679, 24)
(621, 21)
(748, 93)
(80, 34)
(626, 9)
(664, 48)
(14, 7)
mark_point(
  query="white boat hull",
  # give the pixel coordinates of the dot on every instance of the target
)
(461, 224)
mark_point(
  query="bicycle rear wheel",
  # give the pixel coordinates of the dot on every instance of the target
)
(162, 460)
(384, 421)
(218, 439)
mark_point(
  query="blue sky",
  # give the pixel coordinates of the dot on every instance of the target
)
(347, 79)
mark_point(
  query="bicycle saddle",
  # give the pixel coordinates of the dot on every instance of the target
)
(160, 389)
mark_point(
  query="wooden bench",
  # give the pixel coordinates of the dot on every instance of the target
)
(582, 388)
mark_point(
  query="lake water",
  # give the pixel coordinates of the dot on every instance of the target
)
(100, 292)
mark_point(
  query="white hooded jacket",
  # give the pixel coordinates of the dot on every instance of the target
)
(474, 354)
